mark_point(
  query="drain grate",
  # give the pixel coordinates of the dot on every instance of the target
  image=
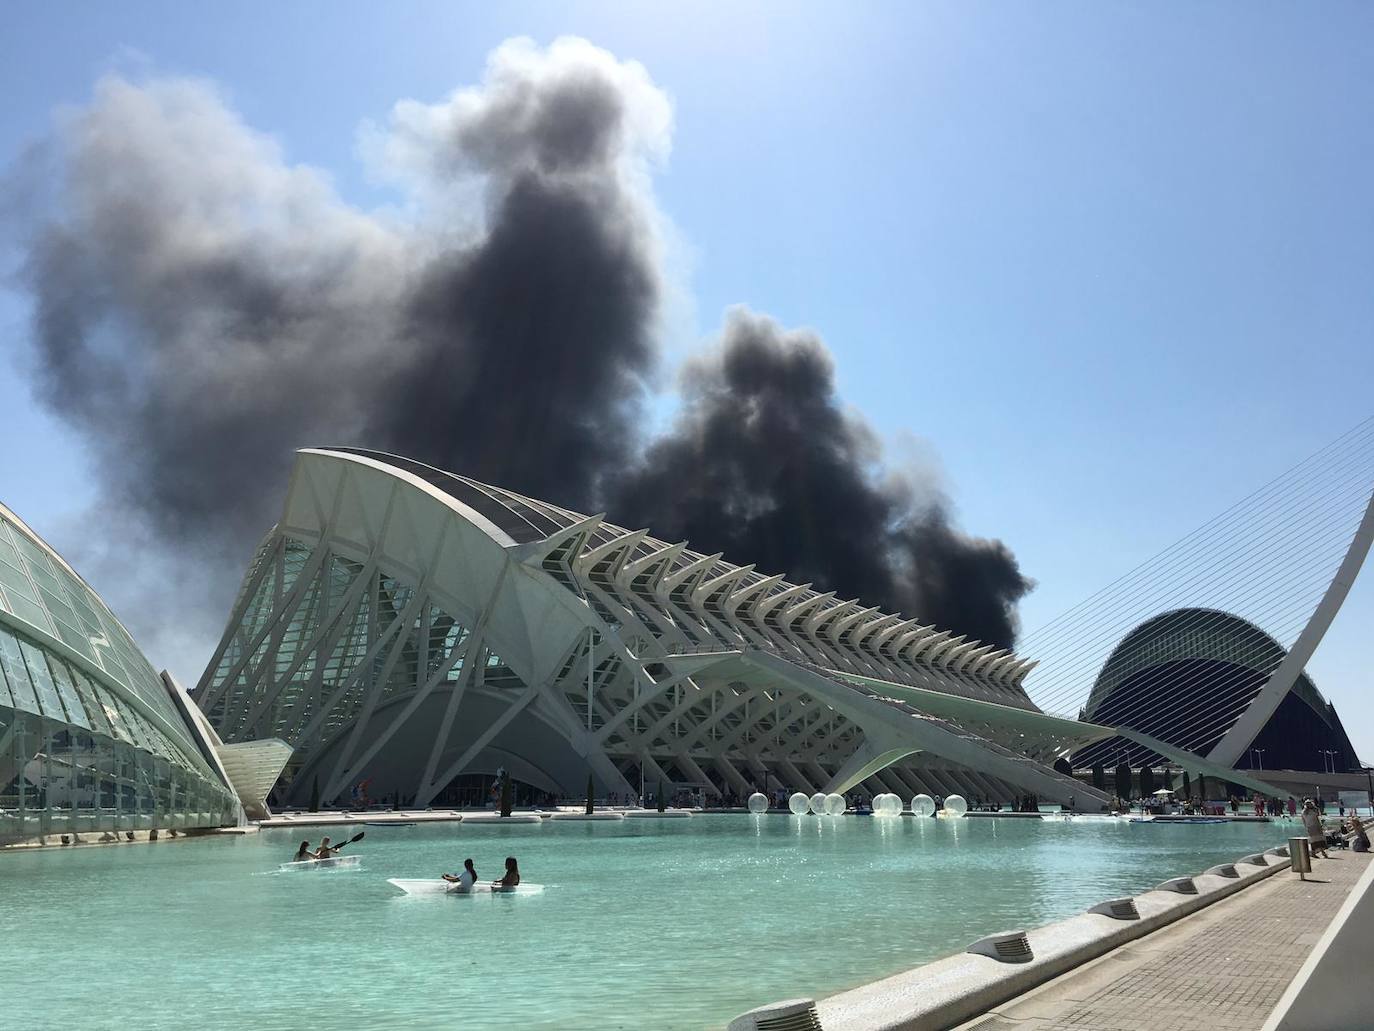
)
(1117, 909)
(1223, 870)
(792, 1015)
(1182, 885)
(1008, 947)
(1257, 859)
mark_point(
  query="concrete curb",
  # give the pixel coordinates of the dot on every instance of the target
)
(950, 991)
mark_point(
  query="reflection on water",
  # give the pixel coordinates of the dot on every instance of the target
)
(679, 924)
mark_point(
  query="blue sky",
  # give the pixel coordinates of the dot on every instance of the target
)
(1109, 262)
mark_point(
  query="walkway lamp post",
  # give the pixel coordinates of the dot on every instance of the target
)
(1258, 752)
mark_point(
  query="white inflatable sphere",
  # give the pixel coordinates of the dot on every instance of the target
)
(877, 802)
(894, 805)
(955, 805)
(758, 802)
(834, 805)
(882, 804)
(798, 803)
(922, 805)
(817, 803)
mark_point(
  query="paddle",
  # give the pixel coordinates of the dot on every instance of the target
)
(357, 837)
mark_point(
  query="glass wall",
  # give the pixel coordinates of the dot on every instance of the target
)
(77, 752)
(74, 758)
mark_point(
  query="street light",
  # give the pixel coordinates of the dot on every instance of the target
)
(1258, 752)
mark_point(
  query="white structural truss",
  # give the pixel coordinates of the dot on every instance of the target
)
(402, 626)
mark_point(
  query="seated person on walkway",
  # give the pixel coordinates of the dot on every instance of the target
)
(464, 880)
(303, 853)
(1312, 823)
(1359, 838)
(511, 877)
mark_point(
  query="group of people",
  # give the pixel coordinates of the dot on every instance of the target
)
(325, 851)
(1351, 833)
(467, 879)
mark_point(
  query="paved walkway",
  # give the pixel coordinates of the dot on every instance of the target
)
(1223, 968)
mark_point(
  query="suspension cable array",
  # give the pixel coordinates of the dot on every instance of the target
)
(1267, 560)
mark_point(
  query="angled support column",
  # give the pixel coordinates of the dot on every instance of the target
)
(473, 750)
(1236, 740)
(727, 769)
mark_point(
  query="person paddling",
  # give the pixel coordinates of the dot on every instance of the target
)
(303, 853)
(511, 878)
(465, 880)
(326, 850)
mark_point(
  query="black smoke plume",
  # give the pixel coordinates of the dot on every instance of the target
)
(202, 307)
(764, 462)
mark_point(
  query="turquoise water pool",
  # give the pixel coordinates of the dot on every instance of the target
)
(676, 924)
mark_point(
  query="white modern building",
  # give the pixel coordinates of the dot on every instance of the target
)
(402, 626)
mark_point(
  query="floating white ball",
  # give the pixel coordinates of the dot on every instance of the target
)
(798, 803)
(922, 805)
(883, 804)
(955, 806)
(834, 805)
(817, 803)
(758, 802)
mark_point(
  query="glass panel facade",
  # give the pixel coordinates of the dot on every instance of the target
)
(316, 640)
(77, 753)
(38, 588)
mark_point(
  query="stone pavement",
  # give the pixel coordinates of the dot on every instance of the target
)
(1224, 968)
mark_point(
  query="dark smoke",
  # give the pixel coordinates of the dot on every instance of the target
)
(202, 307)
(764, 465)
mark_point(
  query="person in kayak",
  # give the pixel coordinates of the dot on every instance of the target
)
(511, 878)
(303, 853)
(464, 880)
(326, 850)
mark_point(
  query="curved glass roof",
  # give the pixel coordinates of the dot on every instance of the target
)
(1194, 633)
(522, 519)
(38, 588)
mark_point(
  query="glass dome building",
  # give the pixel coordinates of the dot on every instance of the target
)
(92, 738)
(1186, 676)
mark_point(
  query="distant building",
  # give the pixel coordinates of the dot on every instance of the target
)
(1186, 676)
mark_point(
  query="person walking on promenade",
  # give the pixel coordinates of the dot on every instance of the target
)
(1316, 834)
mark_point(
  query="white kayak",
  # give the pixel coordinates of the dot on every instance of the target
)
(332, 863)
(439, 886)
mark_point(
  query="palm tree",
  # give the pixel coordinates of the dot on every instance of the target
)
(662, 802)
(506, 793)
